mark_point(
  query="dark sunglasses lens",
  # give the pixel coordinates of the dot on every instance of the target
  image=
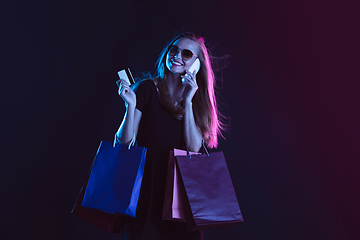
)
(186, 54)
(174, 50)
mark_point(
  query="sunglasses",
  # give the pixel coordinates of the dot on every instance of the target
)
(186, 54)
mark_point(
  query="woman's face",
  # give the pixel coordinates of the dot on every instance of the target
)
(182, 55)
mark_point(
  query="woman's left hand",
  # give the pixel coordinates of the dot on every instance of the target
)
(189, 81)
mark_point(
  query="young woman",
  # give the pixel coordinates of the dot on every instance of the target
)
(177, 109)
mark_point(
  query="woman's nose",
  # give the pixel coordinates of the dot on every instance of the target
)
(178, 55)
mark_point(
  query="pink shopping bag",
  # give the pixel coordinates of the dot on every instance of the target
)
(173, 206)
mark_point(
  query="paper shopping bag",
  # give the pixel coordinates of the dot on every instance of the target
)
(208, 191)
(108, 222)
(173, 205)
(115, 179)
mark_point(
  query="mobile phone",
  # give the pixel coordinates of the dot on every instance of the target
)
(126, 75)
(194, 67)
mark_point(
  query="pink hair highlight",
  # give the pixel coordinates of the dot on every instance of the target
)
(215, 125)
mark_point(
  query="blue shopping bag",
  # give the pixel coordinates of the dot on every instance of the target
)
(115, 179)
(108, 222)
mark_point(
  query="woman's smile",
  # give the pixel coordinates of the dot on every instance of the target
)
(176, 62)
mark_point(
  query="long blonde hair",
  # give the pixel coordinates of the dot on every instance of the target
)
(204, 101)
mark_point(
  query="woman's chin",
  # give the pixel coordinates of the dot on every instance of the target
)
(176, 70)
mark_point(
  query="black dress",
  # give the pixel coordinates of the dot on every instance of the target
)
(159, 132)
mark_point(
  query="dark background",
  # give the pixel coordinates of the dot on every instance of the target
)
(289, 90)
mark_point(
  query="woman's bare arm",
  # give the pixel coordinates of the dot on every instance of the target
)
(130, 124)
(192, 134)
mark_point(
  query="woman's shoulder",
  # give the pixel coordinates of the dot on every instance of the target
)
(146, 93)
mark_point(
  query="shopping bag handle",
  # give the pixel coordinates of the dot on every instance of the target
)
(132, 142)
(203, 145)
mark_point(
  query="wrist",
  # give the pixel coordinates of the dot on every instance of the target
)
(130, 106)
(187, 104)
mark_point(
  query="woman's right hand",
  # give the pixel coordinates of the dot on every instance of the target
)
(126, 93)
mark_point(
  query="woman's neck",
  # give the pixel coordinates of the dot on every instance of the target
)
(176, 88)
